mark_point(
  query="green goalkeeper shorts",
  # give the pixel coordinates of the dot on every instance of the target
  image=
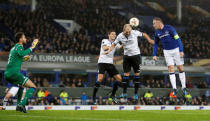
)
(15, 78)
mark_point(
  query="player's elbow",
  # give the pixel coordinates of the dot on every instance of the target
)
(144, 34)
(21, 54)
(105, 48)
(152, 42)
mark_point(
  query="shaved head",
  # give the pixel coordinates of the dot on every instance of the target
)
(127, 29)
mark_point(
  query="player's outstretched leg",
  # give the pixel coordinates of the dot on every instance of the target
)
(172, 78)
(96, 87)
(136, 86)
(5, 101)
(95, 90)
(115, 87)
(9, 93)
(29, 93)
(182, 78)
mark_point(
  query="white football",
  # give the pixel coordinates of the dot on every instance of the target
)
(134, 22)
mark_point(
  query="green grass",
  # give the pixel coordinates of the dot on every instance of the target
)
(50, 115)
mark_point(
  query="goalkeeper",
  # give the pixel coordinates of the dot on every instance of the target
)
(12, 73)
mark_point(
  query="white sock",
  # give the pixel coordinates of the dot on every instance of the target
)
(182, 79)
(5, 103)
(173, 80)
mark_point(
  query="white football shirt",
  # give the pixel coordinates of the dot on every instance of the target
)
(130, 44)
(106, 58)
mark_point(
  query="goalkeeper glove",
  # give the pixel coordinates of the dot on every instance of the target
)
(26, 58)
(34, 43)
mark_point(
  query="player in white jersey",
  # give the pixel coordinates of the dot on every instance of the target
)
(132, 57)
(11, 92)
(105, 64)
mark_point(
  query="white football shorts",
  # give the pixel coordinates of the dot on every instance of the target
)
(172, 57)
(14, 90)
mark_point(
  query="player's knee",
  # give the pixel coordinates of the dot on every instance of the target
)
(34, 87)
(118, 77)
(171, 68)
(127, 74)
(136, 74)
(100, 79)
(8, 96)
(180, 68)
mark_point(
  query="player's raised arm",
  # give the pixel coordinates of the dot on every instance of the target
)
(105, 47)
(21, 52)
(146, 36)
(110, 49)
(119, 46)
(113, 45)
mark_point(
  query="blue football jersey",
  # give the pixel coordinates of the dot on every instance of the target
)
(168, 38)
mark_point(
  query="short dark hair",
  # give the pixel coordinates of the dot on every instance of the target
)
(110, 31)
(18, 35)
(158, 19)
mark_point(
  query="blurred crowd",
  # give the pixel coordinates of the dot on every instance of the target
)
(67, 82)
(73, 81)
(52, 40)
(159, 83)
(96, 18)
(44, 97)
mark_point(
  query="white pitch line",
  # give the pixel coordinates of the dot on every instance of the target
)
(95, 119)
(182, 113)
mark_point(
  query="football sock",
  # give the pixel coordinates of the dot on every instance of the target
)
(137, 82)
(115, 87)
(5, 102)
(19, 94)
(28, 94)
(172, 79)
(125, 84)
(95, 90)
(182, 79)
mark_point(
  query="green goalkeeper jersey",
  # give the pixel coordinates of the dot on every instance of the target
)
(15, 60)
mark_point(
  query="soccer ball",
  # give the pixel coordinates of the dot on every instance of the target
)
(134, 22)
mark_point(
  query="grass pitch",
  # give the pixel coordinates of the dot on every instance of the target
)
(52, 115)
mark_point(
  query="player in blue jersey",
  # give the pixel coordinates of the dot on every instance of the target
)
(172, 49)
(12, 90)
